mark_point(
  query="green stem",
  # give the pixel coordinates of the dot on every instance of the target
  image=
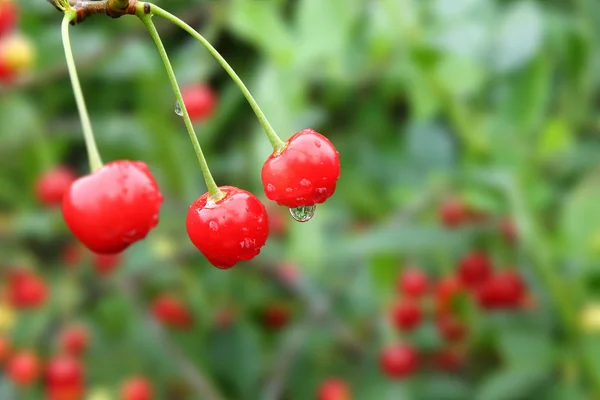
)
(212, 187)
(88, 134)
(274, 139)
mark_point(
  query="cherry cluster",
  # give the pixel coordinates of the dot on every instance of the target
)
(17, 53)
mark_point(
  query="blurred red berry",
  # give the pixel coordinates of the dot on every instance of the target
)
(23, 368)
(504, 290)
(399, 361)
(446, 291)
(474, 269)
(453, 212)
(5, 349)
(17, 56)
(137, 388)
(171, 311)
(406, 315)
(74, 339)
(53, 184)
(449, 359)
(334, 389)
(104, 264)
(72, 254)
(26, 290)
(413, 282)
(278, 219)
(276, 316)
(200, 101)
(8, 16)
(450, 327)
(64, 378)
(509, 230)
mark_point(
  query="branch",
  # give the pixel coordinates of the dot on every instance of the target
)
(112, 8)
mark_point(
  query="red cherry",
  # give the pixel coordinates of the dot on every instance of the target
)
(74, 339)
(449, 360)
(450, 327)
(5, 349)
(504, 290)
(8, 16)
(229, 230)
(113, 207)
(26, 290)
(446, 291)
(276, 316)
(399, 361)
(64, 378)
(413, 283)
(200, 101)
(334, 389)
(171, 311)
(17, 56)
(104, 264)
(453, 212)
(304, 173)
(23, 368)
(474, 269)
(53, 184)
(137, 388)
(406, 315)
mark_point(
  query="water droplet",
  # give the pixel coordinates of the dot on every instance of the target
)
(213, 226)
(247, 243)
(318, 143)
(178, 109)
(288, 190)
(321, 191)
(270, 188)
(303, 213)
(305, 183)
(244, 229)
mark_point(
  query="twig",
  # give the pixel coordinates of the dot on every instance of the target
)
(196, 378)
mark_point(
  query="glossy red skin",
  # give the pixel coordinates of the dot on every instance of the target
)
(53, 184)
(64, 378)
(399, 361)
(113, 207)
(230, 230)
(450, 327)
(474, 269)
(503, 290)
(406, 315)
(74, 340)
(334, 389)
(200, 101)
(137, 388)
(413, 283)
(304, 173)
(104, 264)
(8, 16)
(23, 368)
(171, 311)
(276, 316)
(26, 290)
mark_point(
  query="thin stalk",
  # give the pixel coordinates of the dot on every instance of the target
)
(86, 125)
(212, 187)
(274, 139)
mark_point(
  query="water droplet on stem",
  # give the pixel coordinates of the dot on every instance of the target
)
(178, 109)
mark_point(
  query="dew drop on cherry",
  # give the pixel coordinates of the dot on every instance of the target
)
(303, 213)
(178, 109)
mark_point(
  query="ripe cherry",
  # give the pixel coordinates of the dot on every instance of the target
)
(8, 16)
(304, 173)
(413, 283)
(64, 378)
(104, 264)
(453, 212)
(171, 311)
(399, 361)
(406, 315)
(276, 315)
(23, 368)
(474, 269)
(137, 388)
(504, 290)
(229, 230)
(113, 207)
(26, 290)
(334, 389)
(52, 185)
(17, 56)
(74, 339)
(450, 327)
(200, 101)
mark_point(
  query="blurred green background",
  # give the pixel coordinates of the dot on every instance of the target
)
(493, 102)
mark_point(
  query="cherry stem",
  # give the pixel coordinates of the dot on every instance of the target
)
(274, 139)
(212, 187)
(86, 125)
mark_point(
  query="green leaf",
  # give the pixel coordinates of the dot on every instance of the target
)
(556, 139)
(510, 384)
(526, 349)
